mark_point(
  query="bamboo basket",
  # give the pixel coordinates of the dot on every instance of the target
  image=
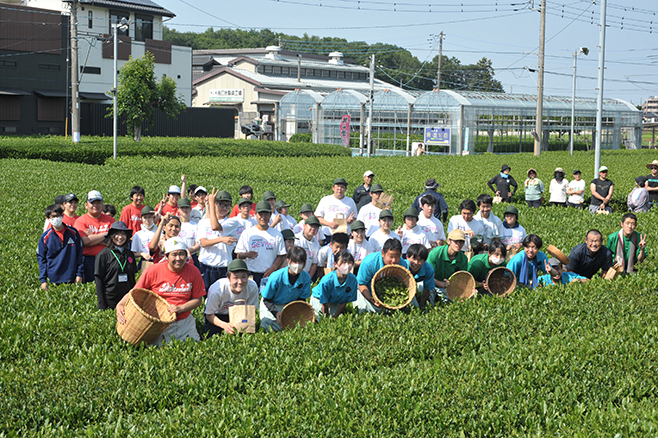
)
(552, 250)
(461, 286)
(501, 281)
(297, 312)
(402, 274)
(146, 317)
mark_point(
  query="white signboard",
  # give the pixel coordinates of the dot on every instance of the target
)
(227, 95)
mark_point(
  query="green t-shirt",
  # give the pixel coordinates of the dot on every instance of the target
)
(612, 246)
(443, 266)
(479, 267)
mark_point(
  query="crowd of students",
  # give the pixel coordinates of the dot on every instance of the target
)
(197, 242)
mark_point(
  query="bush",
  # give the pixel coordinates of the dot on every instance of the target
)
(301, 137)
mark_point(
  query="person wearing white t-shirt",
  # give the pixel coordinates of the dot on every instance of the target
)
(383, 233)
(199, 211)
(410, 233)
(188, 229)
(576, 191)
(261, 247)
(223, 294)
(467, 223)
(142, 238)
(306, 212)
(429, 223)
(287, 221)
(306, 240)
(358, 246)
(369, 214)
(513, 232)
(333, 205)
(326, 255)
(558, 188)
(493, 227)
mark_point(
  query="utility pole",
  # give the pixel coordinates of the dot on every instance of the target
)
(372, 96)
(438, 70)
(75, 102)
(599, 99)
(540, 81)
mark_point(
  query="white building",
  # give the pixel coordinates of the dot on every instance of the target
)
(95, 45)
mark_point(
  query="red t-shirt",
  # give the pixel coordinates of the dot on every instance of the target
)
(176, 287)
(96, 226)
(236, 210)
(132, 217)
(60, 233)
(167, 209)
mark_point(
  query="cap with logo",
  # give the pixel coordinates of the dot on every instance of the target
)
(175, 190)
(94, 195)
(174, 244)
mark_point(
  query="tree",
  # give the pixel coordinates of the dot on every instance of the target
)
(139, 94)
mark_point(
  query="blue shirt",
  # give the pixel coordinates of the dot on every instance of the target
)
(582, 262)
(60, 262)
(567, 277)
(329, 290)
(516, 262)
(441, 204)
(370, 265)
(426, 275)
(280, 291)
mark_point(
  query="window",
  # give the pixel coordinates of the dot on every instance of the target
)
(10, 108)
(115, 17)
(143, 27)
(325, 73)
(90, 18)
(90, 70)
(341, 75)
(50, 109)
(285, 70)
(267, 69)
(276, 70)
(302, 72)
(8, 64)
(334, 73)
(52, 67)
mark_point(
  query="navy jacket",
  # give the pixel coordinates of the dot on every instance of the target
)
(60, 261)
(441, 204)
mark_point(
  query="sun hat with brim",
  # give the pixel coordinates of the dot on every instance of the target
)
(280, 204)
(174, 190)
(654, 163)
(376, 188)
(119, 226)
(94, 195)
(314, 221)
(340, 181)
(431, 184)
(243, 201)
(358, 225)
(511, 210)
(223, 195)
(531, 170)
(263, 207)
(385, 214)
(288, 234)
(456, 235)
(411, 211)
(268, 195)
(306, 208)
(174, 244)
(70, 197)
(505, 167)
(559, 169)
(603, 169)
(200, 189)
(237, 265)
(147, 210)
(184, 203)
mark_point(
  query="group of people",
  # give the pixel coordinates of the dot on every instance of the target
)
(198, 243)
(567, 193)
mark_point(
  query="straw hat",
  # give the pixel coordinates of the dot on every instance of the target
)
(653, 163)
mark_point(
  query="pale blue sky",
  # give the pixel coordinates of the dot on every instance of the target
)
(479, 28)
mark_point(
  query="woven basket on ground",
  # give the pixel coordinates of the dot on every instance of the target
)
(402, 274)
(461, 286)
(296, 312)
(146, 317)
(552, 250)
(501, 281)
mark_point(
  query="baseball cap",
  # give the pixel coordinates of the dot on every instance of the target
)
(411, 211)
(603, 169)
(575, 172)
(237, 265)
(147, 210)
(456, 235)
(306, 208)
(554, 262)
(280, 204)
(268, 195)
(94, 195)
(174, 244)
(70, 197)
(243, 201)
(313, 221)
(288, 234)
(263, 207)
(223, 195)
(59, 199)
(174, 189)
(368, 173)
(376, 188)
(385, 213)
(511, 210)
(340, 181)
(431, 184)
(184, 203)
(358, 225)
(200, 189)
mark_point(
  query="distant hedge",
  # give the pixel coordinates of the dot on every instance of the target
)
(95, 150)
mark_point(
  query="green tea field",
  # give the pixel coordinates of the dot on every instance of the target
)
(575, 360)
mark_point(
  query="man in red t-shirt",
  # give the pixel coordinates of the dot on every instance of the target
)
(169, 203)
(177, 282)
(245, 192)
(93, 227)
(131, 215)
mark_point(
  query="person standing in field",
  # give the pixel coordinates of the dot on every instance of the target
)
(466, 222)
(502, 184)
(169, 203)
(410, 233)
(142, 238)
(558, 188)
(333, 205)
(245, 192)
(441, 209)
(369, 214)
(383, 233)
(628, 246)
(513, 232)
(429, 223)
(93, 227)
(534, 188)
(115, 267)
(638, 198)
(652, 183)
(358, 246)
(131, 215)
(362, 192)
(576, 191)
(188, 229)
(493, 227)
(199, 211)
(602, 189)
(307, 241)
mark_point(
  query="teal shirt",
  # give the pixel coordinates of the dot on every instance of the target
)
(534, 189)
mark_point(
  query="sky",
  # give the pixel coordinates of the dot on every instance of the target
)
(507, 32)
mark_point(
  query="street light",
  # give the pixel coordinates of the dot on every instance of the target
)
(584, 51)
(123, 25)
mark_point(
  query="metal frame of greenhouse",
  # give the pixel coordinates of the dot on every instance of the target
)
(478, 121)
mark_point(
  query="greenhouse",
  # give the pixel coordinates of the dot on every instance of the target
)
(451, 122)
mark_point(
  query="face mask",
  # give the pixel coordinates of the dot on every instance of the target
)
(148, 227)
(496, 260)
(296, 268)
(345, 269)
(56, 222)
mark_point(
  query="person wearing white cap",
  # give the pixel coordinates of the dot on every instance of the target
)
(602, 189)
(179, 283)
(93, 227)
(363, 190)
(558, 188)
(199, 210)
(169, 203)
(576, 191)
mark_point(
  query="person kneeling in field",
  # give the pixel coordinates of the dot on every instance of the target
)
(337, 289)
(527, 264)
(224, 293)
(448, 259)
(284, 286)
(179, 283)
(628, 246)
(391, 254)
(423, 273)
(557, 274)
(480, 265)
(339, 242)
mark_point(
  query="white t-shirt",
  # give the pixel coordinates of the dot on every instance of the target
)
(493, 227)
(287, 222)
(188, 233)
(412, 237)
(457, 222)
(326, 257)
(197, 214)
(512, 236)
(577, 186)
(312, 248)
(558, 190)
(300, 228)
(379, 238)
(432, 227)
(369, 215)
(220, 297)
(268, 244)
(329, 207)
(141, 240)
(217, 255)
(360, 251)
(235, 226)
